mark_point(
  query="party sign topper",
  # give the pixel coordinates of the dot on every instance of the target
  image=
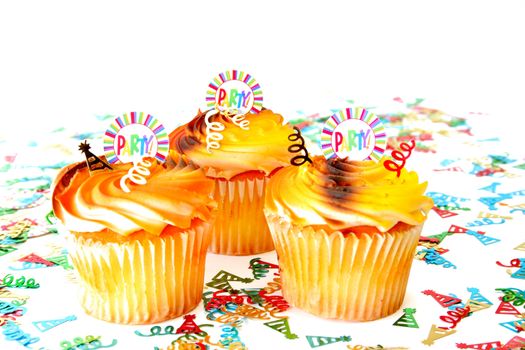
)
(135, 136)
(353, 133)
(235, 92)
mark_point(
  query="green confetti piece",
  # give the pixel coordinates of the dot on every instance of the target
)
(51, 218)
(317, 341)
(6, 249)
(408, 319)
(5, 168)
(5, 211)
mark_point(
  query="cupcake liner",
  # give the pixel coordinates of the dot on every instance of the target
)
(357, 278)
(142, 281)
(240, 226)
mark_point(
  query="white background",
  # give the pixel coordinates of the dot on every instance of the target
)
(64, 61)
(61, 61)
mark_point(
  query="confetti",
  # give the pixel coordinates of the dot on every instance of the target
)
(491, 187)
(443, 300)
(436, 333)
(454, 316)
(21, 282)
(506, 308)
(61, 260)
(44, 326)
(222, 278)
(481, 346)
(514, 342)
(33, 258)
(317, 341)
(491, 215)
(261, 268)
(89, 342)
(13, 332)
(432, 257)
(475, 306)
(444, 213)
(520, 247)
(157, 330)
(514, 326)
(189, 325)
(282, 327)
(230, 335)
(7, 308)
(408, 319)
(476, 296)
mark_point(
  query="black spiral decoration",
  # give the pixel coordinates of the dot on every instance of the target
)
(298, 147)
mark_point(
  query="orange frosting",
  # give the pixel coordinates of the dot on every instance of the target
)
(175, 193)
(343, 194)
(262, 147)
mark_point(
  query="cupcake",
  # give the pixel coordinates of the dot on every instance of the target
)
(345, 234)
(240, 154)
(139, 246)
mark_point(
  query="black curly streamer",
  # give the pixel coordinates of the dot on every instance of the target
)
(298, 147)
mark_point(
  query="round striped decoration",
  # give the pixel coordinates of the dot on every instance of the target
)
(236, 92)
(133, 136)
(353, 133)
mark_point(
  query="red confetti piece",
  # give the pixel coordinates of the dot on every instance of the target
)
(258, 261)
(454, 316)
(444, 213)
(481, 346)
(506, 308)
(428, 239)
(33, 258)
(397, 155)
(459, 229)
(188, 326)
(443, 300)
(513, 343)
(454, 169)
(219, 300)
(276, 301)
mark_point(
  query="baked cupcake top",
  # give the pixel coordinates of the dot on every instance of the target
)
(260, 146)
(342, 194)
(175, 193)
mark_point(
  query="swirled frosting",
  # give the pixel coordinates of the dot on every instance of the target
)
(262, 147)
(174, 194)
(342, 194)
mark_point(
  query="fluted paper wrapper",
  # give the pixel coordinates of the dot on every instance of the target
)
(240, 226)
(142, 281)
(357, 278)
